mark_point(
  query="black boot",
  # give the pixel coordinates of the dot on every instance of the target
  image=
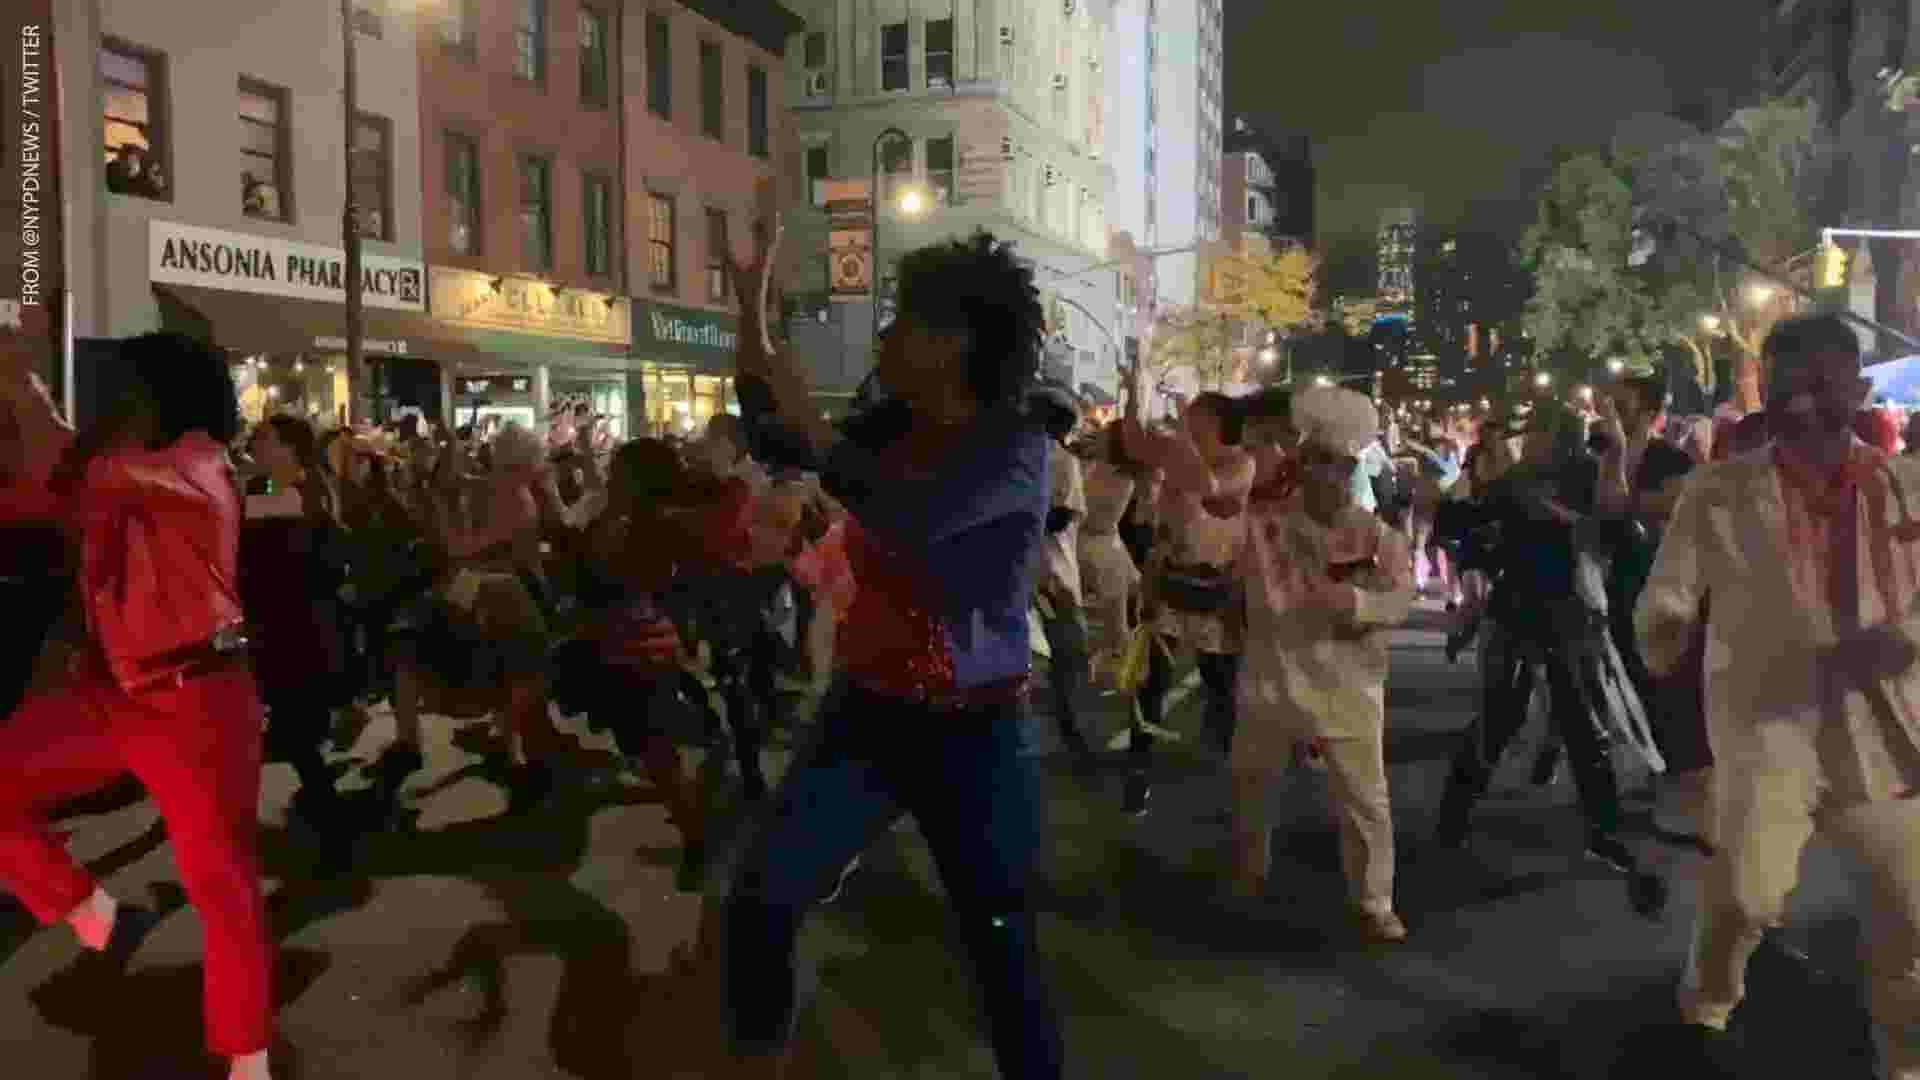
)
(1454, 820)
(1137, 793)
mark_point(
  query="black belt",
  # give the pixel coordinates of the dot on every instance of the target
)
(228, 646)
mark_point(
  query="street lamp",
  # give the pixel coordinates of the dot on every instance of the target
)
(1543, 380)
(1322, 380)
(911, 204)
(1616, 366)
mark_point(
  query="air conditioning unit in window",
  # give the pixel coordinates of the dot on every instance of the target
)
(1006, 35)
(1060, 82)
(819, 83)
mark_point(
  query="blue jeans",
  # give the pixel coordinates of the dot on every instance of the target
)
(976, 796)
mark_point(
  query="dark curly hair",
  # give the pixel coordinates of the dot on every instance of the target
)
(978, 287)
(187, 383)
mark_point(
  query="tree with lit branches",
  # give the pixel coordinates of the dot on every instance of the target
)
(1629, 251)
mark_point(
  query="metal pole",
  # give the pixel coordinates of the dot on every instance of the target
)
(1780, 278)
(873, 244)
(350, 212)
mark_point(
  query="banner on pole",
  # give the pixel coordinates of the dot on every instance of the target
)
(849, 239)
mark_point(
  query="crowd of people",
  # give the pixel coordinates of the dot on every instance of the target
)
(1672, 592)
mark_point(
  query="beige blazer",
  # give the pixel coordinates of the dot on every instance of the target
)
(1781, 713)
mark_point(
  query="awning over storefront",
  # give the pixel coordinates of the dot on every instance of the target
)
(251, 323)
(271, 324)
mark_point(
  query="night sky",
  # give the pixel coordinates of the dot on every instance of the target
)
(1455, 105)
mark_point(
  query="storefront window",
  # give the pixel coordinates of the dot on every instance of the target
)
(308, 385)
(671, 404)
(709, 397)
(603, 397)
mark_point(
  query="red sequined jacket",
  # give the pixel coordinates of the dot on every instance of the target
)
(158, 534)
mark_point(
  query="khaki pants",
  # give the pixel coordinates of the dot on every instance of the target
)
(1762, 831)
(1357, 782)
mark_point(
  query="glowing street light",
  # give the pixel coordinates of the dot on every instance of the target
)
(1616, 366)
(912, 202)
(1543, 380)
(1322, 380)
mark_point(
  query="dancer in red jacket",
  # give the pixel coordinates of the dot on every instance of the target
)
(163, 689)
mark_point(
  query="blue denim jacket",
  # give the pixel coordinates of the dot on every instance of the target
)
(975, 534)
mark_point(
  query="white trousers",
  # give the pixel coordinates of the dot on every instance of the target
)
(1357, 785)
(1763, 829)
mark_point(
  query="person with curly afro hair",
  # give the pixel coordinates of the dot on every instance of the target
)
(946, 485)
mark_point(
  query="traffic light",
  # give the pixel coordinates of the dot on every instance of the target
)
(1833, 266)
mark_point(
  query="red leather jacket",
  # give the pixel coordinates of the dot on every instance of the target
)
(158, 533)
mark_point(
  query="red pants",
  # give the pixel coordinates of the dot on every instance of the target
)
(196, 748)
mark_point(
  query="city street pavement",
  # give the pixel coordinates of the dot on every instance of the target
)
(474, 946)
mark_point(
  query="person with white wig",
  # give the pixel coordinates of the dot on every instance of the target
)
(1325, 580)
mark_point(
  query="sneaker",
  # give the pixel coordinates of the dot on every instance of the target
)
(1135, 796)
(1382, 927)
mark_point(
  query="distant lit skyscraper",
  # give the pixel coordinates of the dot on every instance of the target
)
(1394, 248)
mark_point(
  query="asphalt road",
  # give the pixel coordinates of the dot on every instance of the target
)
(477, 947)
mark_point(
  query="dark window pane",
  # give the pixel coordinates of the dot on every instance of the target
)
(536, 208)
(598, 221)
(712, 91)
(593, 57)
(659, 67)
(660, 242)
(716, 255)
(940, 52)
(372, 164)
(530, 41)
(940, 169)
(816, 50)
(463, 195)
(757, 111)
(893, 56)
